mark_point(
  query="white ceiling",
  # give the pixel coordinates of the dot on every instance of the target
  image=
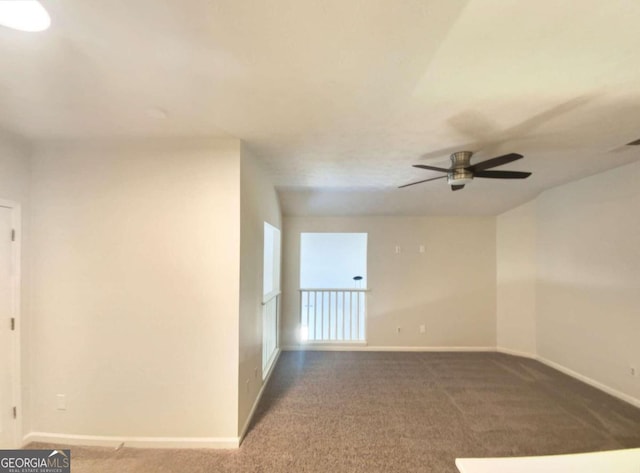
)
(339, 97)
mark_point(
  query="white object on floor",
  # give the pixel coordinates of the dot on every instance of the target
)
(614, 461)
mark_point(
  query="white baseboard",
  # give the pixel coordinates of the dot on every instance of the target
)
(523, 354)
(592, 382)
(152, 442)
(363, 347)
(135, 442)
(243, 432)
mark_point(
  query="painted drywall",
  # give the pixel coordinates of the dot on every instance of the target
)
(259, 204)
(516, 279)
(14, 169)
(14, 187)
(588, 290)
(450, 288)
(135, 289)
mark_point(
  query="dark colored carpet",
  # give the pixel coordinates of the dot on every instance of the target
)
(400, 412)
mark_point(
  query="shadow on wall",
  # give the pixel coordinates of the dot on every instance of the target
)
(578, 318)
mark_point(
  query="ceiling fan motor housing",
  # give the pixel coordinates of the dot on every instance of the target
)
(458, 175)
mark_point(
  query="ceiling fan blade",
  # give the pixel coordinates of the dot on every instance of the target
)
(502, 174)
(430, 168)
(457, 188)
(420, 182)
(493, 162)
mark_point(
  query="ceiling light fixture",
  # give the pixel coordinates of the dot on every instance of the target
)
(24, 15)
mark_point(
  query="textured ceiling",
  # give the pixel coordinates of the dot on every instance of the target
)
(339, 98)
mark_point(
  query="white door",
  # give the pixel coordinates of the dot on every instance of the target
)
(7, 422)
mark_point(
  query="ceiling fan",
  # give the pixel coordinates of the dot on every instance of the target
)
(463, 172)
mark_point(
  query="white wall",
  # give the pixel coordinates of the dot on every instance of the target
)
(14, 186)
(135, 289)
(450, 288)
(588, 292)
(259, 204)
(14, 169)
(516, 279)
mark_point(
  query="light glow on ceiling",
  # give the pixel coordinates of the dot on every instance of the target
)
(24, 15)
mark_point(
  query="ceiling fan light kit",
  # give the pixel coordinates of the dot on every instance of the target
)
(462, 172)
(459, 175)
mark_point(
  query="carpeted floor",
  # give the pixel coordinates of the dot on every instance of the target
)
(399, 412)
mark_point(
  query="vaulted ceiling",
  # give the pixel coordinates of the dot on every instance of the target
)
(339, 98)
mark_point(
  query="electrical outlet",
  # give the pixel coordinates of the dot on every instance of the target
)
(421, 248)
(398, 250)
(423, 329)
(61, 402)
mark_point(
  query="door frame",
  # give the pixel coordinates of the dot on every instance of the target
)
(16, 302)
